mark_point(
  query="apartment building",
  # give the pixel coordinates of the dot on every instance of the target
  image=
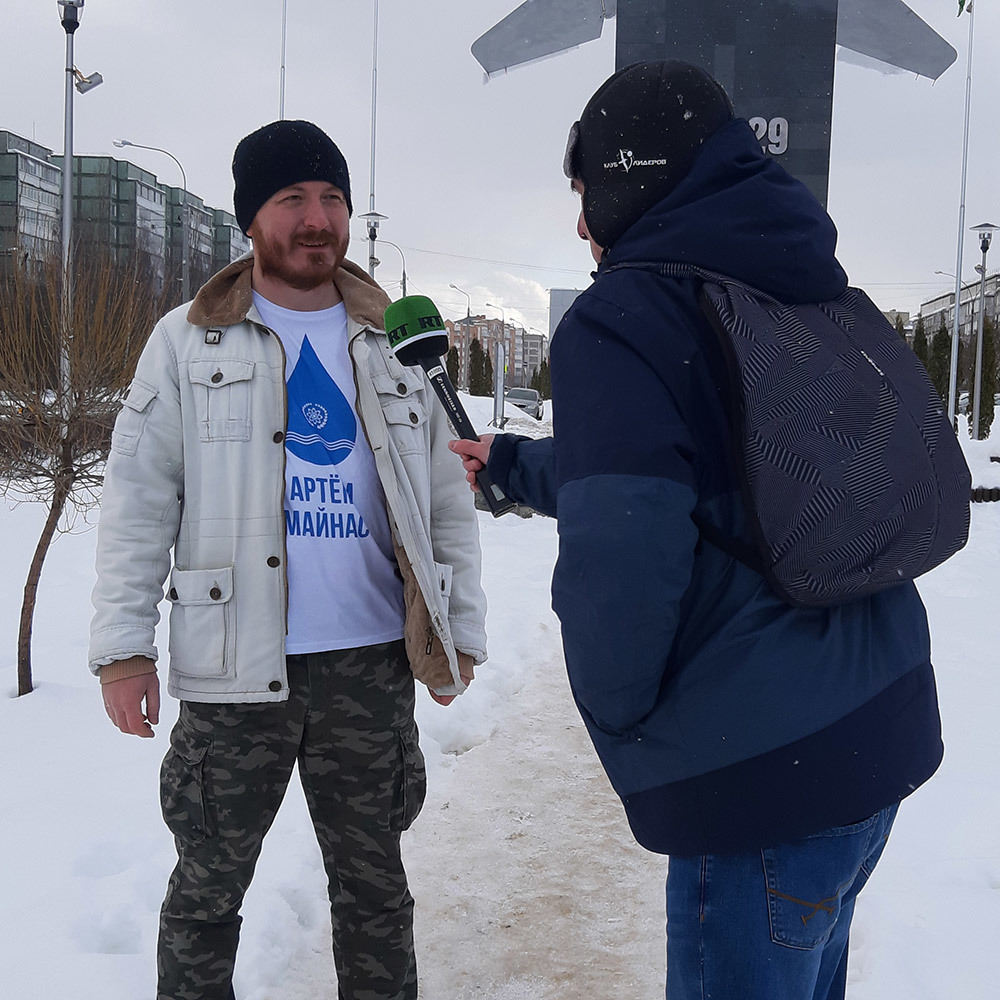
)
(940, 311)
(118, 207)
(29, 199)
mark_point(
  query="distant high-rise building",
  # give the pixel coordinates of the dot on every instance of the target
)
(230, 243)
(460, 335)
(189, 223)
(117, 207)
(29, 199)
(122, 208)
(940, 311)
(534, 350)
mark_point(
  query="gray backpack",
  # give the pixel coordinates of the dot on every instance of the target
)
(851, 473)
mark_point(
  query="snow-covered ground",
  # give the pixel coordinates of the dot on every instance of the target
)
(527, 883)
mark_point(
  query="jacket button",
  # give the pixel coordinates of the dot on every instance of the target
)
(217, 377)
(274, 686)
(215, 593)
(401, 388)
(173, 593)
(273, 561)
(413, 418)
(278, 437)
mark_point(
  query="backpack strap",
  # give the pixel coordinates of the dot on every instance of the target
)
(670, 269)
(742, 552)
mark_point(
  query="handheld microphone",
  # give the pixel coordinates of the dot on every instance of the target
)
(418, 338)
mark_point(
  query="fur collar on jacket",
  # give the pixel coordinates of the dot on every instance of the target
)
(226, 298)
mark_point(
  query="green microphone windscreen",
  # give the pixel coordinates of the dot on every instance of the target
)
(415, 330)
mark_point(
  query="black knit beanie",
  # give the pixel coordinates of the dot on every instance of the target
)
(637, 139)
(281, 154)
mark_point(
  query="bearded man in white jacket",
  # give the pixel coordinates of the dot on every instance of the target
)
(293, 480)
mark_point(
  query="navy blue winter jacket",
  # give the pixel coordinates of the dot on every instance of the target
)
(726, 719)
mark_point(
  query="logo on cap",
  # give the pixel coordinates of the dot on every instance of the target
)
(626, 159)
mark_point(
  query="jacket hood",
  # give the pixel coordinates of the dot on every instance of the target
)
(226, 298)
(739, 213)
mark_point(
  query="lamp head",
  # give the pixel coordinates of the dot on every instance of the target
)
(69, 14)
(372, 220)
(985, 230)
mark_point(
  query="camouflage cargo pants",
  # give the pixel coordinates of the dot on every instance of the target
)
(348, 722)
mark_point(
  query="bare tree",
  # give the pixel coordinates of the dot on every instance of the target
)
(53, 445)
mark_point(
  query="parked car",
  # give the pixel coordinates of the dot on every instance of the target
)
(529, 400)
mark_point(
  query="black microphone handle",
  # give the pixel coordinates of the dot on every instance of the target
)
(497, 501)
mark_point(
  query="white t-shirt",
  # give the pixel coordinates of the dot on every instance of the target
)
(343, 587)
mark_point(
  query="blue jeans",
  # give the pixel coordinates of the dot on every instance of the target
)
(770, 924)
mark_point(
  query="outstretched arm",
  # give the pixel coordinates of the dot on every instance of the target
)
(524, 468)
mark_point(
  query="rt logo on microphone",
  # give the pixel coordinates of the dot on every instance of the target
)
(400, 333)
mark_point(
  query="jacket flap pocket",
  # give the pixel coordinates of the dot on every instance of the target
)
(443, 571)
(219, 373)
(139, 395)
(401, 383)
(201, 586)
(404, 411)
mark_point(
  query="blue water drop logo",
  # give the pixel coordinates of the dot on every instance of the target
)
(322, 428)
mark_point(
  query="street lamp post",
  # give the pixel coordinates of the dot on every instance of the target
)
(985, 231)
(953, 372)
(498, 379)
(281, 81)
(468, 333)
(372, 216)
(185, 221)
(400, 252)
(69, 16)
(503, 324)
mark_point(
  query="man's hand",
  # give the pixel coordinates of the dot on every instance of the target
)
(466, 670)
(123, 702)
(473, 454)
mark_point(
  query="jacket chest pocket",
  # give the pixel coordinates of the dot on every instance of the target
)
(402, 399)
(202, 629)
(221, 391)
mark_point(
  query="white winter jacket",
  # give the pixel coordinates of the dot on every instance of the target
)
(197, 471)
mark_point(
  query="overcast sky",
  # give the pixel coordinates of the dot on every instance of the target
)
(469, 172)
